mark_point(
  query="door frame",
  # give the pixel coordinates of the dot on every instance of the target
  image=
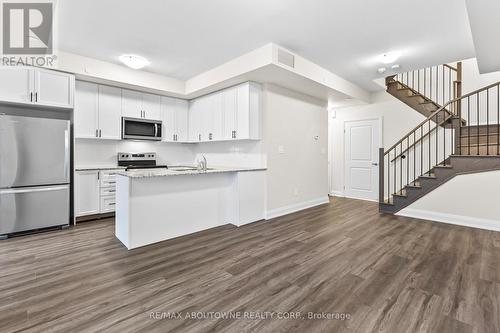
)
(380, 120)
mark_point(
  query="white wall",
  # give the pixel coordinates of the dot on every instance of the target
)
(398, 120)
(470, 200)
(297, 175)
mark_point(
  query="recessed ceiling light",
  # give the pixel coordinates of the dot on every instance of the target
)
(395, 66)
(381, 70)
(134, 61)
(389, 57)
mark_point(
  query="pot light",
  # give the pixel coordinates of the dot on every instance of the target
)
(395, 66)
(381, 70)
(389, 57)
(134, 61)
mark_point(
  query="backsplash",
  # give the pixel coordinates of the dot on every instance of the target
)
(90, 152)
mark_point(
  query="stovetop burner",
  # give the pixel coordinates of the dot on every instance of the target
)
(133, 161)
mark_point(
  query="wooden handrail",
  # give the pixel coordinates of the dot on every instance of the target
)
(450, 67)
(439, 110)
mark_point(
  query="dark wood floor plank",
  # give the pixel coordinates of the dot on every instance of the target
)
(388, 273)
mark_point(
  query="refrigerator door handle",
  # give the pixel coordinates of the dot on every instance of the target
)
(33, 189)
(66, 154)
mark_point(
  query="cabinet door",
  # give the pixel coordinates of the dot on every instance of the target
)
(243, 112)
(229, 107)
(16, 84)
(86, 193)
(168, 108)
(194, 120)
(151, 106)
(85, 113)
(215, 117)
(205, 121)
(132, 104)
(181, 120)
(110, 112)
(54, 88)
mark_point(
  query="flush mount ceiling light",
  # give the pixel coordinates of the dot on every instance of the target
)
(134, 61)
(389, 57)
(381, 70)
(395, 66)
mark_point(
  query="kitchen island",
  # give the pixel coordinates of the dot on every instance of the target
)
(154, 205)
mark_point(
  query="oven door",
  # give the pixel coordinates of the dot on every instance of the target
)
(141, 129)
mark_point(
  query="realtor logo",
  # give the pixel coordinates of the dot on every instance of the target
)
(27, 28)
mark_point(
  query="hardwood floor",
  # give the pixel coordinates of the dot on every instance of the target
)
(390, 274)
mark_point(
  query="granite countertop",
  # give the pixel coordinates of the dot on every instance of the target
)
(147, 173)
(98, 167)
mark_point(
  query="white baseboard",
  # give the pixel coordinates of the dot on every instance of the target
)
(277, 212)
(339, 194)
(466, 221)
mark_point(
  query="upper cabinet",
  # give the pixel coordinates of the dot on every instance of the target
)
(174, 116)
(231, 114)
(36, 86)
(141, 105)
(97, 111)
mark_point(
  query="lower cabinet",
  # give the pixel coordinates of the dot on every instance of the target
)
(94, 192)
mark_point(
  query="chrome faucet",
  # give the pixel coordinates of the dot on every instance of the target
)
(202, 165)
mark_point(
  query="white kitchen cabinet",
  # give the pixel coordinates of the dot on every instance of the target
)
(132, 104)
(86, 110)
(16, 84)
(174, 116)
(54, 88)
(151, 106)
(232, 114)
(87, 196)
(140, 105)
(36, 86)
(230, 109)
(97, 112)
(109, 112)
(215, 117)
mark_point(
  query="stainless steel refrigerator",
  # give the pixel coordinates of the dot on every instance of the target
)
(34, 173)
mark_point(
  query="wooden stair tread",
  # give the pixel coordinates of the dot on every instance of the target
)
(430, 175)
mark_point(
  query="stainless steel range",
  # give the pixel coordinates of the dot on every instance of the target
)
(139, 161)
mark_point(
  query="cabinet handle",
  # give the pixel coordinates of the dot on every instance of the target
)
(235, 134)
(210, 136)
(31, 97)
(100, 133)
(96, 133)
(199, 137)
(36, 97)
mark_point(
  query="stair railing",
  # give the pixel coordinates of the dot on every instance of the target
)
(439, 84)
(456, 128)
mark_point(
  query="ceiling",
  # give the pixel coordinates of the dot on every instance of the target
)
(183, 38)
(484, 17)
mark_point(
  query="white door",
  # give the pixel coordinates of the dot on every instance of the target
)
(181, 120)
(229, 107)
(132, 104)
(16, 84)
(54, 88)
(87, 193)
(361, 159)
(151, 105)
(85, 113)
(215, 118)
(168, 118)
(110, 112)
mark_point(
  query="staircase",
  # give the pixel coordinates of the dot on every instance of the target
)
(460, 135)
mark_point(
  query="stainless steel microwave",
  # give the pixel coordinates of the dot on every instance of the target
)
(141, 129)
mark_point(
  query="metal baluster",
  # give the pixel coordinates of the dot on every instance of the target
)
(401, 165)
(414, 156)
(429, 147)
(487, 121)
(389, 177)
(408, 160)
(436, 129)
(498, 119)
(477, 99)
(422, 150)
(469, 123)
